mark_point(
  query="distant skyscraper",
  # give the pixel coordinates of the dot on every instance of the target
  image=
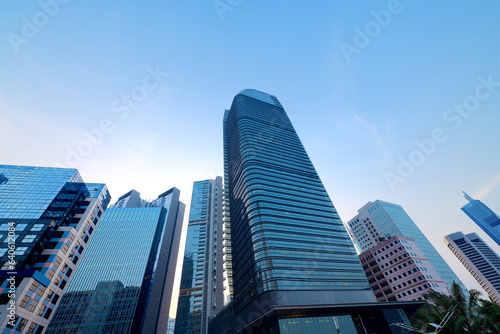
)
(47, 218)
(201, 294)
(132, 199)
(484, 217)
(479, 259)
(124, 284)
(379, 220)
(398, 270)
(291, 260)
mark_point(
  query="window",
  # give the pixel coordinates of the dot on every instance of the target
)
(21, 250)
(19, 228)
(41, 310)
(32, 305)
(50, 274)
(23, 322)
(37, 227)
(29, 238)
(31, 328)
(24, 302)
(41, 291)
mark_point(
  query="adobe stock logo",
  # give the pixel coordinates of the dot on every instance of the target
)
(223, 6)
(454, 118)
(363, 37)
(32, 25)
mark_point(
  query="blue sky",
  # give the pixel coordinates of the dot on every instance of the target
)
(133, 94)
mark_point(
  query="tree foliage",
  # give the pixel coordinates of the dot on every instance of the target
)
(472, 314)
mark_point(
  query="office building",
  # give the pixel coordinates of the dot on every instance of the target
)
(124, 284)
(47, 219)
(379, 220)
(132, 199)
(479, 259)
(293, 265)
(484, 217)
(201, 294)
(398, 270)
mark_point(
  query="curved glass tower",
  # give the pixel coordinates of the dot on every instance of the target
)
(285, 234)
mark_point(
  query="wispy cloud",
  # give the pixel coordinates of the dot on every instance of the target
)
(486, 190)
(380, 140)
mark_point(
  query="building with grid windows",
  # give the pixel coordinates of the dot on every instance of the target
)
(379, 220)
(124, 284)
(398, 270)
(293, 267)
(201, 294)
(47, 218)
(484, 217)
(479, 259)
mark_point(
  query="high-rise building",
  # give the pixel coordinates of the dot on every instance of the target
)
(479, 259)
(484, 217)
(132, 199)
(379, 220)
(398, 270)
(292, 263)
(201, 294)
(47, 218)
(124, 283)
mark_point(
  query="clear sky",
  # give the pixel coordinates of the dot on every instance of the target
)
(393, 100)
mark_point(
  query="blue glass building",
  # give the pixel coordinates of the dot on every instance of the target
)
(484, 217)
(290, 254)
(48, 215)
(124, 283)
(201, 294)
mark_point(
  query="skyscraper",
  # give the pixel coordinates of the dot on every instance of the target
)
(201, 294)
(47, 218)
(379, 220)
(289, 251)
(484, 217)
(398, 270)
(479, 259)
(124, 283)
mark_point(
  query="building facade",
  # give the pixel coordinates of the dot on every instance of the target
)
(125, 282)
(289, 251)
(398, 270)
(479, 259)
(47, 218)
(379, 220)
(201, 294)
(484, 217)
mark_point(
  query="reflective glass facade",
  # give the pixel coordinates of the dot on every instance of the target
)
(484, 217)
(318, 325)
(285, 233)
(124, 282)
(26, 192)
(54, 214)
(201, 290)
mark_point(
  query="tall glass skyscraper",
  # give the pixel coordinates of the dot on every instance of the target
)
(125, 281)
(201, 294)
(47, 218)
(289, 251)
(479, 259)
(484, 217)
(379, 220)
